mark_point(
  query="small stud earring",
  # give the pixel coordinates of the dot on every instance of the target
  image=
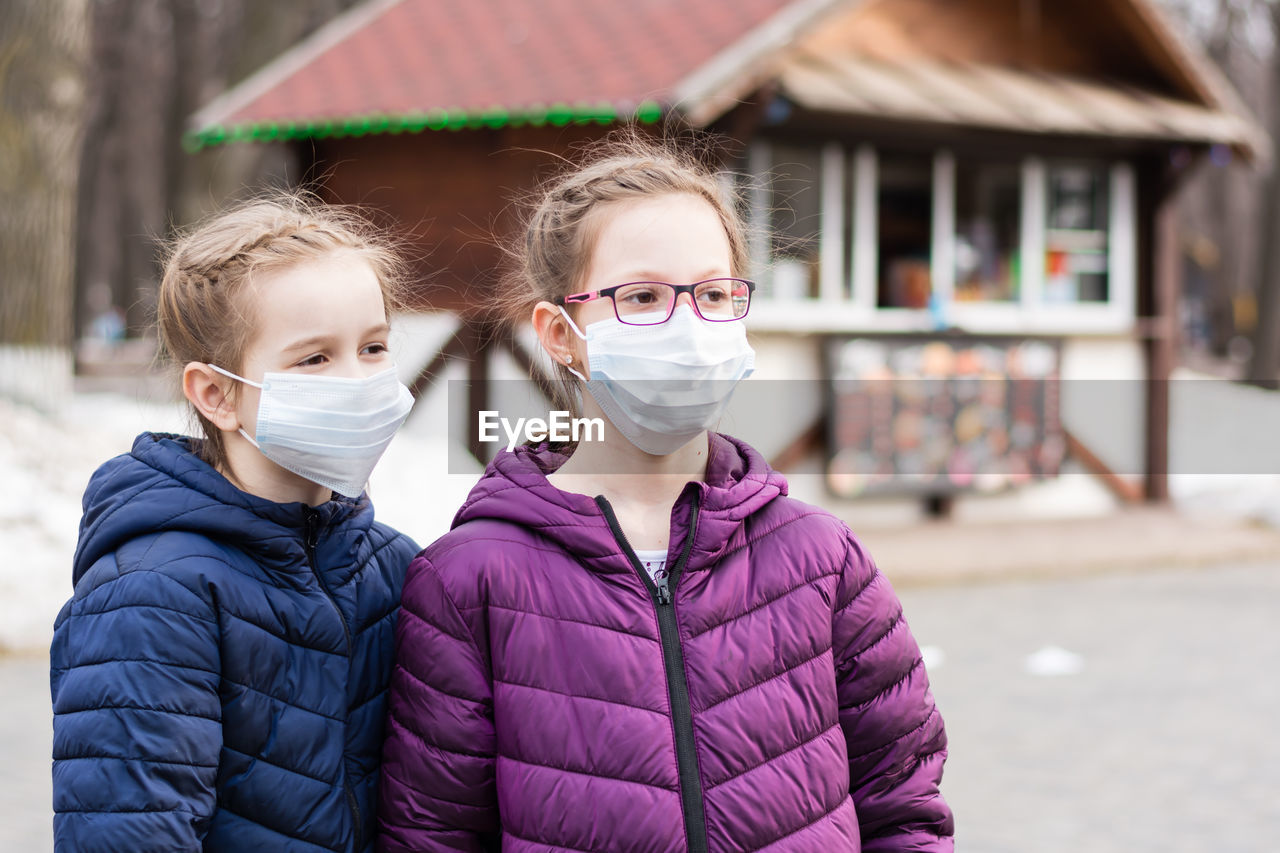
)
(568, 359)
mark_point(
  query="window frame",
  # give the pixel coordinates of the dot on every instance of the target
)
(848, 188)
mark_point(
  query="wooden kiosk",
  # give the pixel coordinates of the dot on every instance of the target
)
(916, 170)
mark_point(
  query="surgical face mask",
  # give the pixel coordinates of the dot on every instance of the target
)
(663, 385)
(332, 430)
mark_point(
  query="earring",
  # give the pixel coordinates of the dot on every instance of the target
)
(568, 359)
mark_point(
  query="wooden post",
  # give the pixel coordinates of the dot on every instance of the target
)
(1160, 342)
(1264, 364)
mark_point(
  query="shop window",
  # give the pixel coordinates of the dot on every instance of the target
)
(1077, 224)
(988, 231)
(851, 235)
(904, 216)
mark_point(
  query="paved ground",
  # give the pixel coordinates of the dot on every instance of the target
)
(1166, 739)
(1160, 734)
(26, 733)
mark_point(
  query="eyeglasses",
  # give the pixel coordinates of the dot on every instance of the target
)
(651, 303)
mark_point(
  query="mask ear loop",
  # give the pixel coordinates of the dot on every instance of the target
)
(258, 385)
(231, 375)
(577, 332)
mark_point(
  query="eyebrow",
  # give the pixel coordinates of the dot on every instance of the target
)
(319, 340)
(307, 343)
(646, 276)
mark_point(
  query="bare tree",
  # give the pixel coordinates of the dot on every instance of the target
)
(1231, 207)
(154, 62)
(1222, 200)
(42, 48)
(1264, 367)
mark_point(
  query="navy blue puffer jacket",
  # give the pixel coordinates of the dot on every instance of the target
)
(219, 677)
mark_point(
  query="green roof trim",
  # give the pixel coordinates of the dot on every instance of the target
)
(377, 124)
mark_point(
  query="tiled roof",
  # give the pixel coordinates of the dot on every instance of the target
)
(438, 63)
(407, 65)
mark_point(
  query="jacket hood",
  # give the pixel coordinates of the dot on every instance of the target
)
(162, 485)
(514, 489)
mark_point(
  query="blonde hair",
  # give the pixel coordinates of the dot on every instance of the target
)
(563, 224)
(200, 311)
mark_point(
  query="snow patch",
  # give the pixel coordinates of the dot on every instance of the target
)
(1053, 660)
(933, 656)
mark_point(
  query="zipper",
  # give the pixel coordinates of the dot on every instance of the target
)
(663, 595)
(311, 529)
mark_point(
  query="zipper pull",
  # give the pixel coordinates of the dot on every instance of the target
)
(664, 590)
(311, 527)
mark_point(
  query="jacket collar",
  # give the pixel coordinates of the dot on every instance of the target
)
(163, 485)
(515, 489)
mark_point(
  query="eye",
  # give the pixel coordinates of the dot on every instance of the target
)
(313, 361)
(374, 349)
(713, 293)
(639, 294)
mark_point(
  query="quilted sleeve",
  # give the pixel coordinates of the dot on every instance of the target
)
(136, 725)
(895, 737)
(437, 789)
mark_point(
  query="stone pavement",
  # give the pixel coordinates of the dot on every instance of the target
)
(1132, 539)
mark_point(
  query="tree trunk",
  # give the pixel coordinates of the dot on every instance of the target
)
(154, 62)
(1223, 214)
(1264, 366)
(42, 54)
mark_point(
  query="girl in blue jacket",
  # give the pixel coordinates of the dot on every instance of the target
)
(219, 675)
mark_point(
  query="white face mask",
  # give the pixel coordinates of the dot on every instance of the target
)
(663, 385)
(331, 430)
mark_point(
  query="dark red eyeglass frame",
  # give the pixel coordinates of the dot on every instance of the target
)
(589, 295)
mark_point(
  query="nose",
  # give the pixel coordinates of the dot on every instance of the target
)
(364, 369)
(353, 367)
(684, 299)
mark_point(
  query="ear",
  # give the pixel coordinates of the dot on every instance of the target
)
(211, 394)
(556, 336)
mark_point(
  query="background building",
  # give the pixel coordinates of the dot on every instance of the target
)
(980, 175)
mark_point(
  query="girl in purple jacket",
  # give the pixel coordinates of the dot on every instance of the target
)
(637, 642)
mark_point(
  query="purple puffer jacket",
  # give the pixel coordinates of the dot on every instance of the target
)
(549, 696)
